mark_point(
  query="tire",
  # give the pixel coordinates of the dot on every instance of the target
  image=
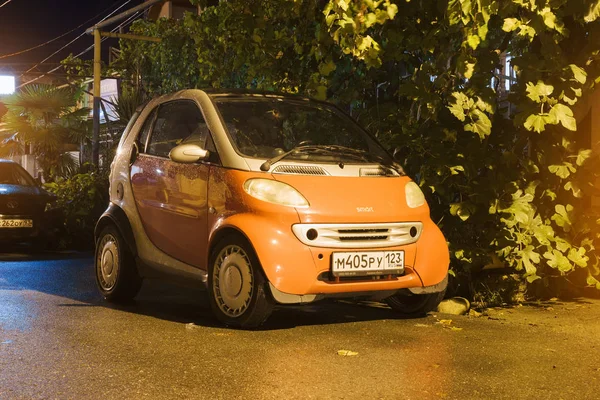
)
(117, 277)
(415, 305)
(237, 288)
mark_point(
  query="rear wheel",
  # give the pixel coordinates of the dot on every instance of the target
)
(415, 305)
(117, 277)
(237, 287)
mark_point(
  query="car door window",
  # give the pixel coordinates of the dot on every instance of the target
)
(177, 122)
(145, 131)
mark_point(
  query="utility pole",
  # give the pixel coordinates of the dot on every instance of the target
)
(95, 30)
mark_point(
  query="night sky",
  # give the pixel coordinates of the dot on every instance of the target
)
(27, 23)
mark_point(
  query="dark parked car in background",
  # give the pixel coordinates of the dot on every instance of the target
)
(25, 208)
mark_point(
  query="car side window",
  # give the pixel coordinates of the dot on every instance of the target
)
(177, 122)
(145, 131)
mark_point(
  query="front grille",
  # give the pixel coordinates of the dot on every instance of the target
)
(329, 278)
(358, 235)
(362, 234)
(299, 170)
(16, 205)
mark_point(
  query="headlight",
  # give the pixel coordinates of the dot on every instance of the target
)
(414, 196)
(274, 192)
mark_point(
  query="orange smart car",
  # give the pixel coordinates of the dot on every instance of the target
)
(265, 199)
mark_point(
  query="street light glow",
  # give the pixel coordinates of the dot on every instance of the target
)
(7, 84)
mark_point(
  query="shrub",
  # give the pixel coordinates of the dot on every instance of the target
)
(82, 198)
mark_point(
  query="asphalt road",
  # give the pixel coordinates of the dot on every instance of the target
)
(60, 340)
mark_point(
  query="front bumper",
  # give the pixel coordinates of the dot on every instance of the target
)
(286, 298)
(302, 272)
(20, 234)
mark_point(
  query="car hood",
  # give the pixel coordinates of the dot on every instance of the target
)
(18, 190)
(336, 199)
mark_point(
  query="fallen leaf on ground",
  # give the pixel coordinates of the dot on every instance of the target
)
(454, 328)
(422, 325)
(445, 321)
(347, 353)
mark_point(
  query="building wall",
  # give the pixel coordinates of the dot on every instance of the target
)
(591, 124)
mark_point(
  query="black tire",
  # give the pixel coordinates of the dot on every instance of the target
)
(117, 277)
(247, 302)
(411, 305)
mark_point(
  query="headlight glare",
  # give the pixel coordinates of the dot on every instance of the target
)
(274, 192)
(414, 196)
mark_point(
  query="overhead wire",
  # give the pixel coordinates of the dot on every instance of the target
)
(5, 3)
(74, 40)
(56, 38)
(121, 25)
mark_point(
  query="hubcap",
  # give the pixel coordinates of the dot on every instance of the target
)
(108, 262)
(233, 282)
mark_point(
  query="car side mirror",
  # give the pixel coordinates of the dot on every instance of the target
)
(188, 153)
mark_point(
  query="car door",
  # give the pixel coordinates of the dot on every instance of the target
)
(171, 198)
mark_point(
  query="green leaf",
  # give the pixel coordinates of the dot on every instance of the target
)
(537, 91)
(457, 108)
(460, 255)
(469, 69)
(537, 122)
(578, 73)
(529, 257)
(563, 216)
(510, 24)
(321, 93)
(562, 245)
(454, 170)
(482, 126)
(578, 257)
(462, 210)
(593, 281)
(574, 188)
(392, 10)
(562, 171)
(593, 13)
(473, 41)
(564, 115)
(557, 260)
(493, 207)
(582, 156)
(327, 68)
(549, 18)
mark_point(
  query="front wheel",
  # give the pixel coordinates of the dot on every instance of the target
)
(116, 273)
(237, 288)
(415, 305)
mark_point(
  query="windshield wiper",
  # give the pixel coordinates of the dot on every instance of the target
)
(328, 148)
(267, 164)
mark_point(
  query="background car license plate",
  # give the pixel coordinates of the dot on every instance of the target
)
(367, 263)
(16, 223)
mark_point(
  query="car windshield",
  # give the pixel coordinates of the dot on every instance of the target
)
(13, 174)
(266, 128)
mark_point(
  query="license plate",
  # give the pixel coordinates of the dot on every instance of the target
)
(367, 263)
(16, 223)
